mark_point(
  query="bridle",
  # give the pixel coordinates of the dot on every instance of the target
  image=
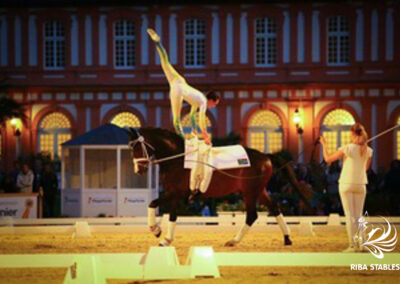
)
(143, 144)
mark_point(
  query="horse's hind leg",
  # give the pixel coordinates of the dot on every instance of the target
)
(251, 217)
(274, 210)
(171, 224)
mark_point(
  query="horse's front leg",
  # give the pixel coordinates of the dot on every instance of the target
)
(167, 241)
(251, 217)
(155, 229)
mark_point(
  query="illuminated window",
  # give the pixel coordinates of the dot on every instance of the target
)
(336, 129)
(338, 40)
(398, 139)
(265, 41)
(54, 45)
(195, 42)
(187, 125)
(126, 119)
(54, 129)
(265, 132)
(124, 44)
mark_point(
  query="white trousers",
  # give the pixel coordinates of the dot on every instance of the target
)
(200, 175)
(353, 198)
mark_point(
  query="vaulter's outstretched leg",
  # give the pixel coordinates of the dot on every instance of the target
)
(168, 69)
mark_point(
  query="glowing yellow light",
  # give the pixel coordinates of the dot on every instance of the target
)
(296, 117)
(14, 122)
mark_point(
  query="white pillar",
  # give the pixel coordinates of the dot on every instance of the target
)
(145, 40)
(173, 53)
(88, 40)
(74, 41)
(215, 39)
(18, 41)
(158, 27)
(389, 35)
(300, 37)
(103, 40)
(3, 41)
(32, 35)
(374, 35)
(360, 35)
(315, 37)
(374, 128)
(229, 38)
(244, 38)
(286, 37)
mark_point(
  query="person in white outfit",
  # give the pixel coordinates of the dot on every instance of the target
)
(25, 179)
(353, 179)
(180, 91)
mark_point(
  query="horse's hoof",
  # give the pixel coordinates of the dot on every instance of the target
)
(287, 241)
(156, 230)
(165, 243)
(230, 243)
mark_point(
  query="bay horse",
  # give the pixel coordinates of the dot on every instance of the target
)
(151, 144)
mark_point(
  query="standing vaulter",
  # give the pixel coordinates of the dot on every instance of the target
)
(180, 90)
(353, 179)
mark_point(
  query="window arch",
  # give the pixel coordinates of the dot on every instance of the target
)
(338, 40)
(336, 128)
(54, 45)
(265, 131)
(195, 42)
(124, 44)
(54, 129)
(265, 41)
(126, 118)
(187, 125)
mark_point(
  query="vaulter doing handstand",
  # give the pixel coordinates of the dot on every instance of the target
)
(180, 90)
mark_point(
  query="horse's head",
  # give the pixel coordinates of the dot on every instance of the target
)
(142, 151)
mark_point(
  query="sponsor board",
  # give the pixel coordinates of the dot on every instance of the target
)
(18, 207)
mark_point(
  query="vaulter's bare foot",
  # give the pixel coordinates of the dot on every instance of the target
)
(154, 36)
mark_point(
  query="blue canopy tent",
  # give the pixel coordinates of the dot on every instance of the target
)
(98, 179)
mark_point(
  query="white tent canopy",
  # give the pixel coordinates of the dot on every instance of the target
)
(98, 178)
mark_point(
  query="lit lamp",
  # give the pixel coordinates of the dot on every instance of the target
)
(298, 121)
(16, 125)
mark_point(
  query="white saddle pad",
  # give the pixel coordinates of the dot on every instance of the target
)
(226, 157)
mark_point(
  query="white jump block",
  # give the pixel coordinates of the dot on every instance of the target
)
(306, 228)
(85, 269)
(162, 263)
(334, 220)
(82, 230)
(202, 263)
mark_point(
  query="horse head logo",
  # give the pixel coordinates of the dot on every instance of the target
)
(378, 239)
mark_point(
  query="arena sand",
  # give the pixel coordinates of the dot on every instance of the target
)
(327, 239)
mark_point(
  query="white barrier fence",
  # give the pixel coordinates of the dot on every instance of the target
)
(225, 221)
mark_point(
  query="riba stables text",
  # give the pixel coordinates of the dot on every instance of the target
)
(375, 267)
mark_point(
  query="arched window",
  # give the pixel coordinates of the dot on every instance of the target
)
(187, 125)
(265, 132)
(124, 44)
(195, 42)
(336, 128)
(126, 119)
(398, 139)
(265, 42)
(338, 40)
(54, 129)
(54, 45)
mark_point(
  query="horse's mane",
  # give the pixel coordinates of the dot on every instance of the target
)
(164, 134)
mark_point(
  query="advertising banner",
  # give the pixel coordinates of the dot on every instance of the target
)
(18, 205)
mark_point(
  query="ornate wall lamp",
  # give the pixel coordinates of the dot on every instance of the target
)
(298, 121)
